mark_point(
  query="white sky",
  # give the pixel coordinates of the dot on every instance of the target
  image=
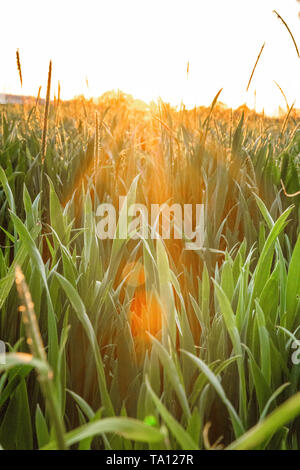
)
(142, 47)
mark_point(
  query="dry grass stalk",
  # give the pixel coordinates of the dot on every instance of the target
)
(286, 119)
(283, 94)
(35, 343)
(287, 194)
(34, 339)
(290, 32)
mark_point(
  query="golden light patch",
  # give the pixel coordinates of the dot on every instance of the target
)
(134, 274)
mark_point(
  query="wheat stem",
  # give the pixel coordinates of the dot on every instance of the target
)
(19, 66)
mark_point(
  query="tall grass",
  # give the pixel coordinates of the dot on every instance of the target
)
(228, 313)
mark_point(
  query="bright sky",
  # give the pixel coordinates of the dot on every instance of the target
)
(142, 47)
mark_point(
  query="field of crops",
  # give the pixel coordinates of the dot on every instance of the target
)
(138, 343)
